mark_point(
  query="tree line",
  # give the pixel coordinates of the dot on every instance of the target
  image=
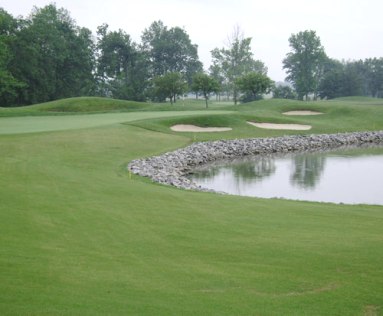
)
(47, 56)
(313, 73)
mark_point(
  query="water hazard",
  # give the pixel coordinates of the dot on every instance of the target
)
(351, 176)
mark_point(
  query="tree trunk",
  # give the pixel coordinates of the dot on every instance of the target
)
(235, 96)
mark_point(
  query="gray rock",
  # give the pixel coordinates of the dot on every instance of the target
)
(171, 168)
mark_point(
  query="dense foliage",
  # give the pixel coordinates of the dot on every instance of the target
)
(46, 57)
(283, 92)
(304, 64)
(363, 77)
(253, 85)
(313, 73)
(170, 85)
(205, 85)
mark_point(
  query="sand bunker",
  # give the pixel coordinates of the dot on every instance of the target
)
(198, 129)
(302, 113)
(297, 127)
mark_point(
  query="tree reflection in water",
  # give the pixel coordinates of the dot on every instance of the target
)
(259, 168)
(342, 176)
(307, 170)
(207, 172)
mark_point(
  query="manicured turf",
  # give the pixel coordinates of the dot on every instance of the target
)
(80, 236)
(33, 124)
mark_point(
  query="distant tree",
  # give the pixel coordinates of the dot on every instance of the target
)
(121, 68)
(374, 74)
(204, 84)
(253, 85)
(169, 86)
(216, 73)
(305, 63)
(170, 50)
(235, 60)
(283, 92)
(333, 83)
(344, 79)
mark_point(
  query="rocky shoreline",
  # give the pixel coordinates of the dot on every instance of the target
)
(172, 168)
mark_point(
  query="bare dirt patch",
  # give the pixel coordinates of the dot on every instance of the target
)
(371, 310)
(297, 127)
(302, 113)
(198, 129)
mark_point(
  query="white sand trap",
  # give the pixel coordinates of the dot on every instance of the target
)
(302, 113)
(198, 129)
(297, 127)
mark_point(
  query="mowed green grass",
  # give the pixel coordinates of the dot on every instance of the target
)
(80, 236)
(343, 115)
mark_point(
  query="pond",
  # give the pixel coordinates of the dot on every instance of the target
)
(351, 176)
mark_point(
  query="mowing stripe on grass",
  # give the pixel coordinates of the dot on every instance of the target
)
(33, 124)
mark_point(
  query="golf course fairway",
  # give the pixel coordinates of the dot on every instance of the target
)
(82, 236)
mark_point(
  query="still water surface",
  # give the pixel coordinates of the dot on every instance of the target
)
(349, 176)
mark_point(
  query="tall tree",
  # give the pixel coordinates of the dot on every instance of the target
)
(52, 56)
(9, 85)
(170, 50)
(121, 69)
(305, 63)
(235, 60)
(374, 74)
(353, 78)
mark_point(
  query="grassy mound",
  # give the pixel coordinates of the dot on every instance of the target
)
(90, 104)
(77, 105)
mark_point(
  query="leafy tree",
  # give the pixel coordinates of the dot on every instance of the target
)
(204, 84)
(52, 56)
(305, 63)
(169, 86)
(121, 67)
(235, 60)
(253, 85)
(356, 79)
(345, 79)
(9, 85)
(374, 74)
(283, 92)
(332, 83)
(216, 74)
(170, 50)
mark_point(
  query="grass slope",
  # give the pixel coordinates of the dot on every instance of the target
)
(86, 105)
(33, 124)
(76, 105)
(339, 116)
(80, 236)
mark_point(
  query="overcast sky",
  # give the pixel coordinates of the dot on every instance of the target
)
(348, 29)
